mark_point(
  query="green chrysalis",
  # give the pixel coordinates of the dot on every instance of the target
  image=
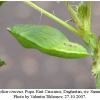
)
(47, 40)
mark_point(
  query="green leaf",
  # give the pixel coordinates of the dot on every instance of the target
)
(2, 63)
(1, 2)
(47, 40)
(82, 11)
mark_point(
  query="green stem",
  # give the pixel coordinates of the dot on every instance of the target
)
(98, 81)
(96, 64)
(53, 17)
(98, 67)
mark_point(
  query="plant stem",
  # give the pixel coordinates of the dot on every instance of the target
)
(52, 17)
(98, 81)
(96, 64)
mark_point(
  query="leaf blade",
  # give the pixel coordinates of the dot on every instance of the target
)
(2, 63)
(1, 2)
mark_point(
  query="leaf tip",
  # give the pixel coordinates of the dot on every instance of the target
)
(8, 29)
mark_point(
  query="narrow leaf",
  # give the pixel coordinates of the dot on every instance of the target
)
(1, 2)
(2, 63)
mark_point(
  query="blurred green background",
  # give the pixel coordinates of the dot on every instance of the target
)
(31, 69)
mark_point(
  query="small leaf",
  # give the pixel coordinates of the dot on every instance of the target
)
(82, 10)
(1, 2)
(2, 63)
(48, 40)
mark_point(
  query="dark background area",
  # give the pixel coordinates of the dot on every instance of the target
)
(29, 68)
